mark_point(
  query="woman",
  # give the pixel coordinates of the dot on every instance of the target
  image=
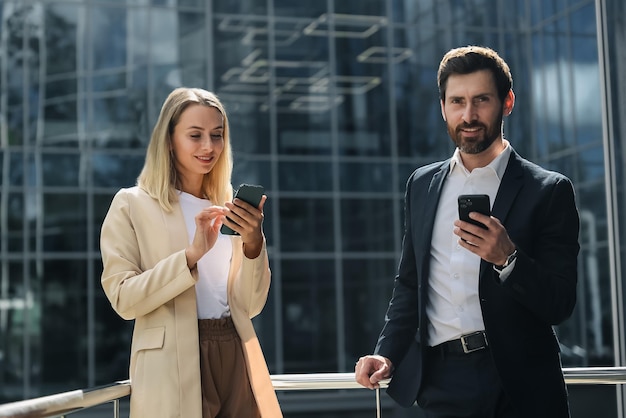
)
(191, 290)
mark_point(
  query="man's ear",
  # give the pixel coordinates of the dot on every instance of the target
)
(509, 103)
(443, 111)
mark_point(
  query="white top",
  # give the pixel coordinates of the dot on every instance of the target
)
(453, 307)
(213, 267)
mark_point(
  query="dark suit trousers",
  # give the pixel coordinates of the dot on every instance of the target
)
(458, 385)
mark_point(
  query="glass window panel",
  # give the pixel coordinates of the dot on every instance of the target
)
(61, 37)
(61, 113)
(14, 123)
(306, 225)
(592, 164)
(16, 218)
(62, 170)
(64, 222)
(16, 169)
(371, 7)
(303, 101)
(112, 124)
(249, 170)
(249, 127)
(367, 288)
(109, 82)
(168, 49)
(138, 37)
(108, 29)
(306, 8)
(20, 324)
(242, 79)
(367, 225)
(581, 24)
(307, 133)
(251, 7)
(305, 176)
(194, 73)
(198, 4)
(192, 46)
(416, 93)
(366, 177)
(361, 86)
(60, 121)
(116, 169)
(309, 313)
(63, 324)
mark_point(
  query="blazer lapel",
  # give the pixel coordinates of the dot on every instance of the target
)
(175, 224)
(434, 193)
(509, 188)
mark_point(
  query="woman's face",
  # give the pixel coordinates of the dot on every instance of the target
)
(197, 143)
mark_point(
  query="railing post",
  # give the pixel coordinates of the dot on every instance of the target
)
(116, 408)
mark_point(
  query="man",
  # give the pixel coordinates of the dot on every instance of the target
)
(468, 331)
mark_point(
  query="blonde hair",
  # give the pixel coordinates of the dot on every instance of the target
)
(159, 177)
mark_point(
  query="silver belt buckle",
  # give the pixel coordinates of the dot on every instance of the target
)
(464, 343)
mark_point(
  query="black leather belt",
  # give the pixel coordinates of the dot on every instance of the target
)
(468, 343)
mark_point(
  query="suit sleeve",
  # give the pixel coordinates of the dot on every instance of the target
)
(545, 275)
(401, 319)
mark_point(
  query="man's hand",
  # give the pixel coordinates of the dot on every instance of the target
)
(492, 244)
(370, 370)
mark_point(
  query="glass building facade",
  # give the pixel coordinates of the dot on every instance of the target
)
(332, 105)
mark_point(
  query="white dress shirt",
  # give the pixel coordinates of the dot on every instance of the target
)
(453, 307)
(213, 267)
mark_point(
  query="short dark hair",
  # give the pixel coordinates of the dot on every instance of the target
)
(469, 59)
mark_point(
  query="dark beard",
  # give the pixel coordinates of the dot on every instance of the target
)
(478, 146)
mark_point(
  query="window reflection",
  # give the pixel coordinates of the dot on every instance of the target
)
(332, 105)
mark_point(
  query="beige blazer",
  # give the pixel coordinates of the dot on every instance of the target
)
(146, 279)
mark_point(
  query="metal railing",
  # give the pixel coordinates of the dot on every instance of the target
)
(61, 404)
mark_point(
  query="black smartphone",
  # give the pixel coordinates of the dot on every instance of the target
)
(474, 203)
(249, 193)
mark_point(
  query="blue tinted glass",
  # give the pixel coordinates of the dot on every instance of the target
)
(115, 170)
(306, 225)
(305, 176)
(61, 170)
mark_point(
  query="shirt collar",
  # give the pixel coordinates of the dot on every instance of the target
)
(498, 165)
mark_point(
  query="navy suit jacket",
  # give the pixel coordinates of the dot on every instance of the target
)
(537, 208)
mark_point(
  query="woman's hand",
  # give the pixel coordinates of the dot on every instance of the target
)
(248, 222)
(208, 223)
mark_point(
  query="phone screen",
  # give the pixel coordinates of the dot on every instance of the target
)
(473, 203)
(249, 193)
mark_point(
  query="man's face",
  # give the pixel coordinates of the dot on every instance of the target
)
(472, 111)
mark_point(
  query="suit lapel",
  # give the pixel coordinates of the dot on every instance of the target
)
(177, 230)
(509, 188)
(434, 193)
